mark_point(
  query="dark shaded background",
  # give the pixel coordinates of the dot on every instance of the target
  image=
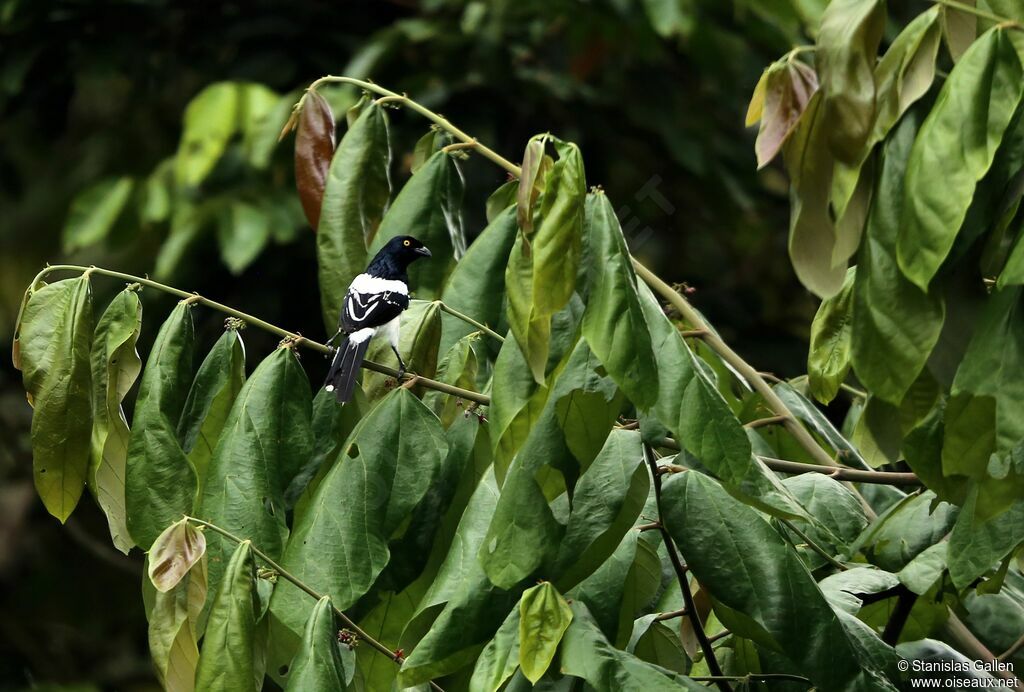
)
(653, 91)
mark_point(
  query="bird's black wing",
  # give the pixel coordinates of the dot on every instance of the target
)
(362, 310)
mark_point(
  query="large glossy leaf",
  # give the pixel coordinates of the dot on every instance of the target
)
(458, 367)
(226, 661)
(429, 207)
(94, 211)
(613, 321)
(318, 664)
(541, 274)
(314, 149)
(265, 440)
(340, 541)
(828, 359)
(906, 530)
(543, 618)
(115, 366)
(355, 196)
(476, 286)
(500, 658)
(896, 323)
(173, 634)
(211, 118)
(160, 483)
(835, 507)
(606, 502)
(587, 654)
(953, 151)
(979, 540)
(847, 45)
(52, 349)
(812, 234)
(214, 390)
(462, 609)
(759, 587)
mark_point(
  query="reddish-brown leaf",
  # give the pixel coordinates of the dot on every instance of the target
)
(314, 148)
(789, 86)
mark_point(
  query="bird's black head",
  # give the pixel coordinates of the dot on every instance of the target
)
(393, 259)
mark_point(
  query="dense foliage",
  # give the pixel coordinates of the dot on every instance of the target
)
(580, 485)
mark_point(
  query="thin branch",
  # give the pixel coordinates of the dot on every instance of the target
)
(348, 622)
(681, 569)
(764, 422)
(751, 375)
(430, 115)
(682, 612)
(459, 146)
(469, 320)
(840, 473)
(964, 641)
(274, 329)
(751, 677)
(1014, 648)
(900, 614)
(971, 9)
(814, 546)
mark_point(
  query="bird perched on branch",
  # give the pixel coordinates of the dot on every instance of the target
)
(373, 305)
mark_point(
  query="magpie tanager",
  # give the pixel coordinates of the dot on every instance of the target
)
(373, 305)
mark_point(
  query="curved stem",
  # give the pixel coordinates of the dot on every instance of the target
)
(469, 320)
(288, 576)
(430, 115)
(814, 546)
(267, 326)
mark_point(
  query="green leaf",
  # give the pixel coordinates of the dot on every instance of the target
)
(541, 274)
(462, 609)
(227, 658)
(812, 234)
(214, 390)
(845, 590)
(340, 541)
(759, 587)
(173, 630)
(160, 483)
(501, 199)
(847, 45)
(500, 658)
(613, 321)
(115, 366)
(426, 146)
(188, 221)
(960, 29)
(211, 118)
(531, 182)
(920, 574)
(896, 324)
(52, 348)
(476, 286)
(906, 530)
(689, 403)
(243, 231)
(587, 654)
(174, 553)
(430, 208)
(356, 195)
(953, 151)
(606, 501)
(418, 342)
(543, 618)
(906, 71)
(264, 442)
(656, 643)
(979, 539)
(832, 504)
(828, 359)
(458, 368)
(318, 664)
(94, 211)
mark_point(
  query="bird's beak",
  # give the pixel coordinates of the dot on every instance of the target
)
(424, 251)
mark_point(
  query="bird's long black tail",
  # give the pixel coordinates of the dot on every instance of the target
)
(341, 378)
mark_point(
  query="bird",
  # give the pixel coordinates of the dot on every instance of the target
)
(373, 305)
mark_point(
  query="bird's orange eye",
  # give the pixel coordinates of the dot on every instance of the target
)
(405, 243)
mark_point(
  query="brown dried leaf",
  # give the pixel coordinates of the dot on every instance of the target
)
(314, 149)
